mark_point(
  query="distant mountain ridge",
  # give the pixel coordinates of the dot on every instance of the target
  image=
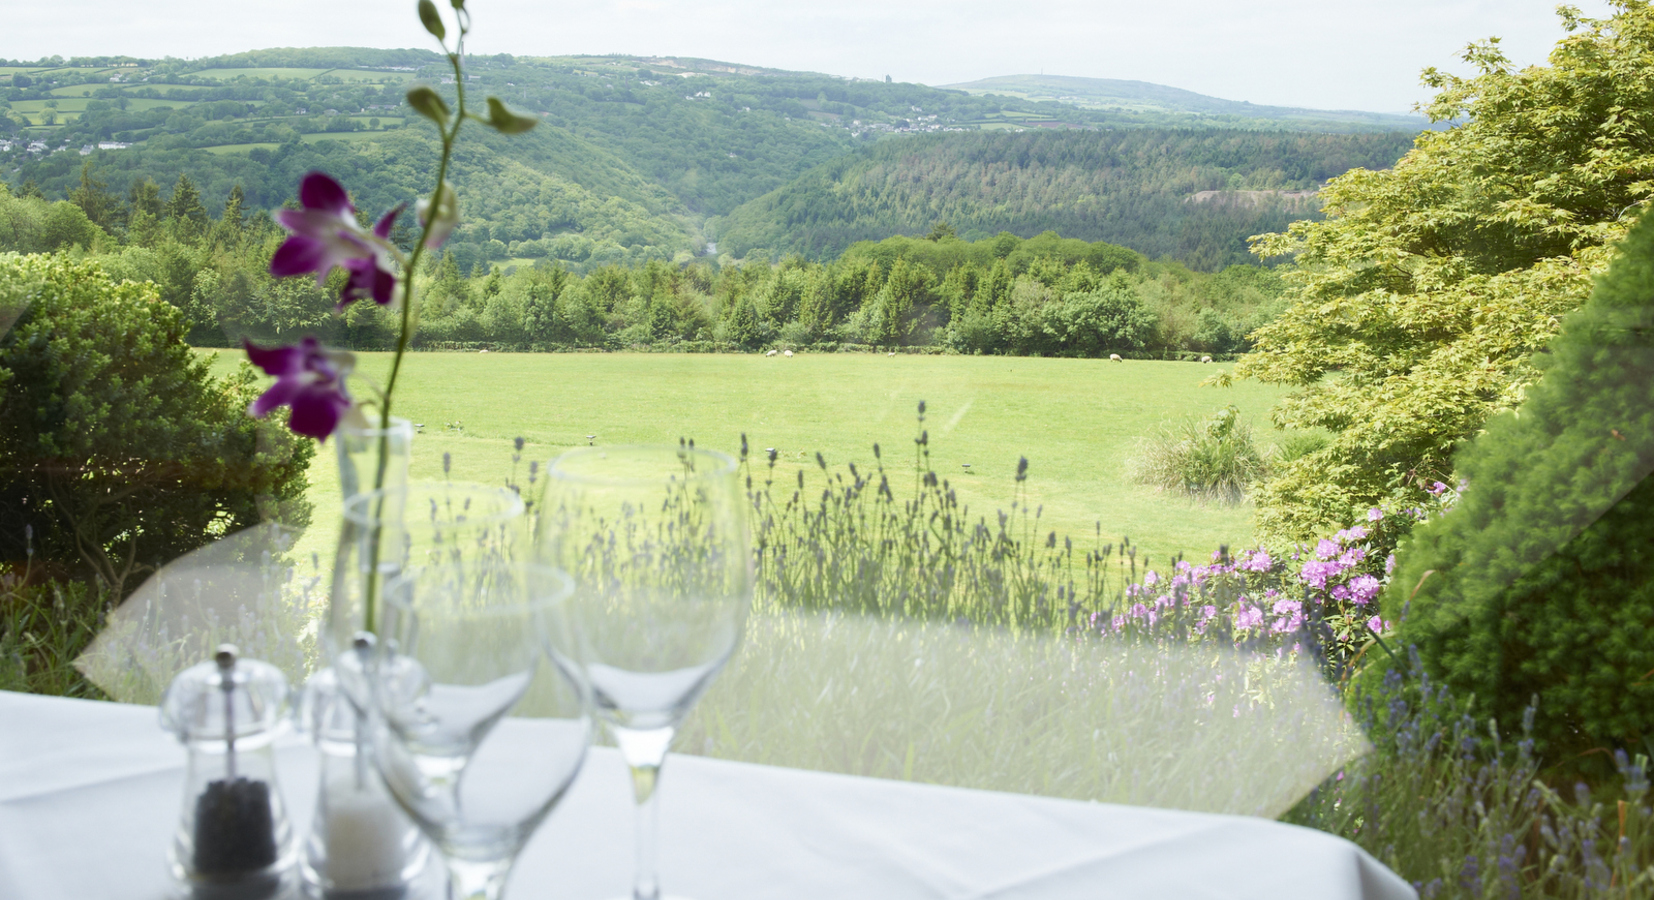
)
(1143, 96)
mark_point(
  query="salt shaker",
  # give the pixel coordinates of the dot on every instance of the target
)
(362, 846)
(234, 841)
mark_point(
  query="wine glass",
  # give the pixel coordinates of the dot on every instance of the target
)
(655, 539)
(387, 532)
(479, 731)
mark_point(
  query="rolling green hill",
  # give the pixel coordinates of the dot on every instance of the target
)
(642, 158)
(1110, 94)
(1191, 195)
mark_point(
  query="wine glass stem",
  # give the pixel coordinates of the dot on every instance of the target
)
(473, 880)
(645, 752)
(645, 880)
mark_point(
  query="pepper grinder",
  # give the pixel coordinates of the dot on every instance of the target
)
(234, 841)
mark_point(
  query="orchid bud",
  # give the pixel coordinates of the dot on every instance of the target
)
(432, 22)
(429, 104)
(447, 215)
(505, 121)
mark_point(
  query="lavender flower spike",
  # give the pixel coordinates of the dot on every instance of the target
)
(325, 235)
(309, 380)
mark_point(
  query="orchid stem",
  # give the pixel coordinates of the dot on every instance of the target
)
(449, 135)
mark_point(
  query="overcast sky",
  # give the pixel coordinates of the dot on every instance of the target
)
(1329, 54)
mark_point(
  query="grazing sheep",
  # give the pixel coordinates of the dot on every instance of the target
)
(1205, 359)
(787, 353)
(482, 351)
(892, 353)
(771, 353)
(1115, 357)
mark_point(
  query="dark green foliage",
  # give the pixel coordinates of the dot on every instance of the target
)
(1134, 188)
(118, 451)
(1541, 583)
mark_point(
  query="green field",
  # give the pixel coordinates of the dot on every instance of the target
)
(229, 74)
(1077, 421)
(352, 137)
(222, 149)
(72, 104)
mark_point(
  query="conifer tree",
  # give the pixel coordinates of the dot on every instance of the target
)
(233, 210)
(185, 205)
(1541, 582)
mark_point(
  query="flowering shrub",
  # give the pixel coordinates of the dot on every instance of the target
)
(1327, 591)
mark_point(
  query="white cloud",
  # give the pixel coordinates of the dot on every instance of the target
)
(1357, 54)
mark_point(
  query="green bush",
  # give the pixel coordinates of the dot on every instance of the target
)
(118, 451)
(1541, 582)
(1211, 459)
(1298, 445)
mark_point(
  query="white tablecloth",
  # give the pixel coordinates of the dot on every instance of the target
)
(90, 793)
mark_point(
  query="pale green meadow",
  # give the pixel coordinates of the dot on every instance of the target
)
(1076, 420)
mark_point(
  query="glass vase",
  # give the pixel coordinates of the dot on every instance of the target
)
(359, 451)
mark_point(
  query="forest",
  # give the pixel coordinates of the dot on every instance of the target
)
(1046, 295)
(1136, 188)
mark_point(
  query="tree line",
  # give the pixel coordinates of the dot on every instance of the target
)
(1046, 295)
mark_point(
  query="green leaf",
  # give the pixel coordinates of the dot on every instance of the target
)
(505, 121)
(428, 103)
(432, 22)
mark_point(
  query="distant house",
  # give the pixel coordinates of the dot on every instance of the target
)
(86, 150)
(113, 145)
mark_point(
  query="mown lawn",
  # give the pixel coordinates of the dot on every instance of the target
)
(1077, 422)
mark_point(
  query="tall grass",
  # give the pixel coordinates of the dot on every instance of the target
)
(1209, 459)
(43, 627)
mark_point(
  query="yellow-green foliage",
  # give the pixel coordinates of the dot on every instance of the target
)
(1417, 304)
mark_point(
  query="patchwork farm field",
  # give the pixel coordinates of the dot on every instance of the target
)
(1077, 422)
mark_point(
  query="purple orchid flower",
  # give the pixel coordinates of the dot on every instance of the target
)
(309, 380)
(325, 234)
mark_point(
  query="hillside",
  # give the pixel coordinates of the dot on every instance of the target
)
(1112, 94)
(633, 159)
(1140, 188)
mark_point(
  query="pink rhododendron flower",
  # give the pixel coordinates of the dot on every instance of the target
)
(1256, 561)
(1375, 514)
(309, 380)
(1377, 625)
(1326, 549)
(1248, 617)
(1363, 588)
(325, 235)
(1438, 488)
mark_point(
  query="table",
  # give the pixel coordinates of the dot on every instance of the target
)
(90, 793)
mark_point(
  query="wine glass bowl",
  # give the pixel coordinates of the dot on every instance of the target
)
(478, 732)
(386, 532)
(656, 542)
